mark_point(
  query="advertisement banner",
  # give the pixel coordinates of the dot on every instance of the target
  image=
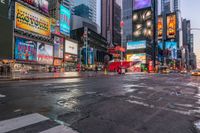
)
(137, 57)
(140, 4)
(44, 53)
(160, 46)
(71, 58)
(42, 5)
(136, 45)
(58, 47)
(160, 27)
(65, 17)
(57, 62)
(142, 25)
(30, 20)
(172, 46)
(71, 47)
(89, 59)
(55, 26)
(25, 49)
(171, 26)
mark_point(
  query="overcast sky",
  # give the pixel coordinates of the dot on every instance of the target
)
(190, 9)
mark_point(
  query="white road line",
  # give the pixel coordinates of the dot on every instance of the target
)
(19, 122)
(2, 96)
(59, 129)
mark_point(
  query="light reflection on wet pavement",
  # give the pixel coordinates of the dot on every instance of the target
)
(135, 102)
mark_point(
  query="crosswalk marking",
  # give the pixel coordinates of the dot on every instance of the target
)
(59, 129)
(19, 122)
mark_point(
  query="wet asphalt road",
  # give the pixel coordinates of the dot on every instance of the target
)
(137, 103)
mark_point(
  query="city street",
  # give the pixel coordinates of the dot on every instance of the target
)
(134, 103)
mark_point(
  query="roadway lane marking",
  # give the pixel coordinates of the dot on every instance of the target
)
(2, 96)
(59, 129)
(19, 122)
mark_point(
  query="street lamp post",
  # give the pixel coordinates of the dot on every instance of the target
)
(121, 25)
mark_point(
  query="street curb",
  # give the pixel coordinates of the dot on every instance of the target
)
(46, 78)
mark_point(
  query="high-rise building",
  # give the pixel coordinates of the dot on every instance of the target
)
(111, 17)
(176, 5)
(82, 5)
(127, 18)
(54, 7)
(168, 6)
(186, 26)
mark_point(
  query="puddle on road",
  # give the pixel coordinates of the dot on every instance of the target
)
(70, 103)
(197, 125)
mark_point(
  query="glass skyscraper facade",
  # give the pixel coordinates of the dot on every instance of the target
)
(86, 9)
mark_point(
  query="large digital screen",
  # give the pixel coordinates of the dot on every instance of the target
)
(55, 26)
(141, 57)
(140, 4)
(58, 47)
(160, 45)
(65, 16)
(71, 47)
(90, 56)
(171, 26)
(30, 20)
(172, 46)
(25, 49)
(44, 53)
(160, 27)
(136, 45)
(142, 25)
(42, 5)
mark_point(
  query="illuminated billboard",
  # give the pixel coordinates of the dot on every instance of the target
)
(142, 25)
(171, 26)
(140, 4)
(55, 26)
(160, 27)
(172, 46)
(160, 45)
(58, 47)
(44, 53)
(71, 47)
(25, 49)
(65, 16)
(30, 20)
(141, 57)
(42, 5)
(136, 45)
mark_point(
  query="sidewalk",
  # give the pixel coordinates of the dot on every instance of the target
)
(63, 75)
